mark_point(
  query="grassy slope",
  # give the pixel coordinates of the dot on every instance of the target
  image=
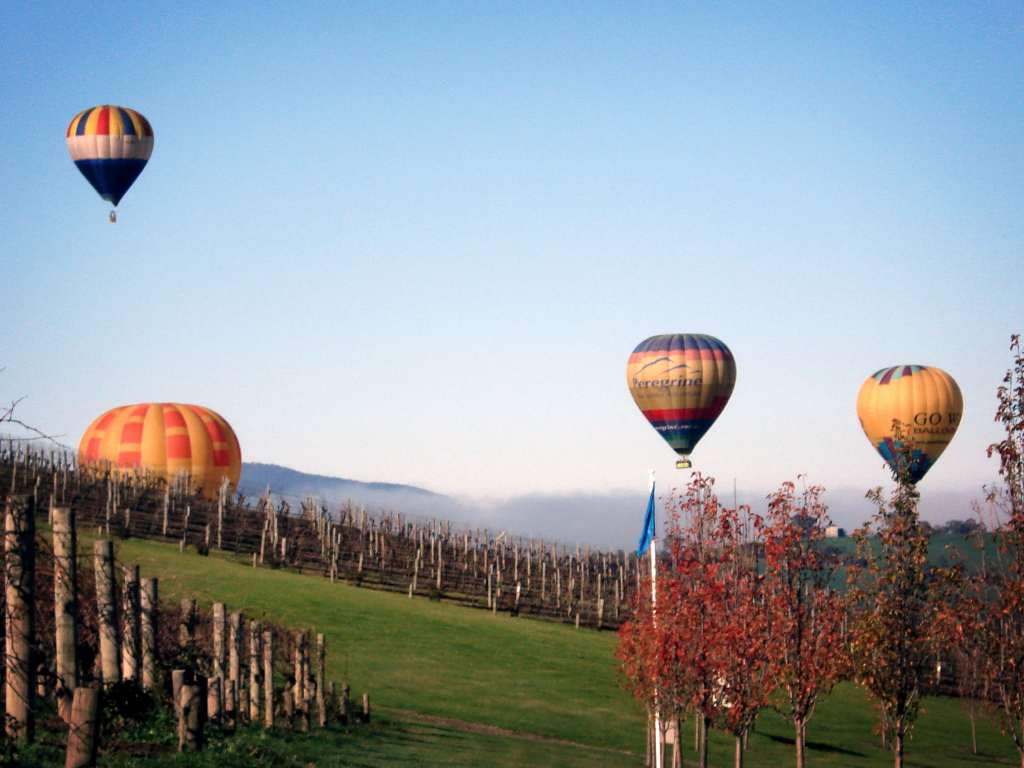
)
(523, 675)
(434, 658)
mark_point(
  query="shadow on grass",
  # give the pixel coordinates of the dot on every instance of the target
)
(392, 743)
(817, 746)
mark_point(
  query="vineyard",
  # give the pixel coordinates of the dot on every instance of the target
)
(387, 551)
(91, 656)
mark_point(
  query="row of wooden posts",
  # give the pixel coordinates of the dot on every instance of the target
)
(226, 698)
(527, 577)
(239, 687)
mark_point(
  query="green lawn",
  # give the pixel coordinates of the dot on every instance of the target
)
(451, 683)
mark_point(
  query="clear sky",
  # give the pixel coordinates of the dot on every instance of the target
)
(416, 242)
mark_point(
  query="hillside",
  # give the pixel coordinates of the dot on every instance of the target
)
(292, 484)
(463, 687)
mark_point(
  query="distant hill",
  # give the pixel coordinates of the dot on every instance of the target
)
(293, 485)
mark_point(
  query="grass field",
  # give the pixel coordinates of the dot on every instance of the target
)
(454, 686)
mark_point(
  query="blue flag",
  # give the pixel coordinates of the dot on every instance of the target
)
(649, 529)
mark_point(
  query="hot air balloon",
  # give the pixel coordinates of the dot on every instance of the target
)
(681, 382)
(167, 440)
(925, 404)
(110, 145)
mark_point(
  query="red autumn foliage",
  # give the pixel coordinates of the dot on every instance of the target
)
(894, 612)
(681, 658)
(990, 615)
(807, 616)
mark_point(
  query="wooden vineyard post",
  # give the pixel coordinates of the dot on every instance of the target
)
(19, 565)
(309, 685)
(303, 704)
(230, 710)
(177, 683)
(214, 689)
(255, 659)
(65, 609)
(301, 674)
(296, 688)
(345, 706)
(149, 604)
(83, 726)
(243, 692)
(106, 611)
(321, 699)
(222, 493)
(187, 625)
(233, 702)
(268, 678)
(366, 708)
(191, 718)
(288, 707)
(130, 647)
(220, 626)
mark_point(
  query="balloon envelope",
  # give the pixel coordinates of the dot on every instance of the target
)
(681, 382)
(927, 404)
(110, 145)
(168, 440)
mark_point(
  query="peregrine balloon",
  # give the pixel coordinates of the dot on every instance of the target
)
(110, 145)
(923, 402)
(168, 440)
(681, 383)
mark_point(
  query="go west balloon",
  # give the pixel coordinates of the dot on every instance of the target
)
(681, 382)
(110, 145)
(167, 440)
(910, 408)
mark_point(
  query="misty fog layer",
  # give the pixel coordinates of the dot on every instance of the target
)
(608, 520)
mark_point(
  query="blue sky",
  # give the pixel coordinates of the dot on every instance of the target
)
(417, 242)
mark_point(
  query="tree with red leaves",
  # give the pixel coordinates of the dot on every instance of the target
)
(664, 653)
(962, 631)
(1002, 592)
(894, 611)
(746, 669)
(807, 616)
(682, 658)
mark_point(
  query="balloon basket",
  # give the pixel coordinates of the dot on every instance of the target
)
(684, 464)
(113, 217)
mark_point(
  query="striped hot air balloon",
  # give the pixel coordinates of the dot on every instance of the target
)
(110, 145)
(923, 402)
(168, 440)
(681, 383)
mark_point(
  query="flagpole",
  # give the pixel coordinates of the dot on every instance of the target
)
(658, 756)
